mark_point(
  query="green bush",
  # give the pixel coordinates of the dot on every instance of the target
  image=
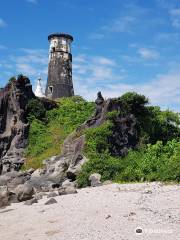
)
(35, 110)
(153, 124)
(156, 162)
(103, 164)
(47, 134)
(97, 139)
(159, 160)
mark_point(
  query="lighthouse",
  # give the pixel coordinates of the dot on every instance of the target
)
(59, 82)
(39, 89)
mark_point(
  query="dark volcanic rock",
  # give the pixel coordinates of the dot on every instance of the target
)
(24, 192)
(95, 180)
(66, 191)
(4, 196)
(13, 124)
(51, 201)
(67, 165)
(124, 131)
(52, 194)
(31, 201)
(14, 134)
(14, 127)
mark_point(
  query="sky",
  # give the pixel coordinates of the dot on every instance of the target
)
(119, 45)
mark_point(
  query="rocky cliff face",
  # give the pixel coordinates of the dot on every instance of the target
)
(13, 123)
(14, 135)
(68, 164)
(14, 126)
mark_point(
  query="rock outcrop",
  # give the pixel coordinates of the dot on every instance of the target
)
(14, 127)
(68, 164)
(13, 124)
(59, 171)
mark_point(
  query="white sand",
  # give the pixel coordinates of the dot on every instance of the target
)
(103, 213)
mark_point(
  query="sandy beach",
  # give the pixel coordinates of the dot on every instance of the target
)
(110, 212)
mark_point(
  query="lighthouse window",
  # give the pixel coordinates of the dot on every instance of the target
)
(53, 49)
(50, 89)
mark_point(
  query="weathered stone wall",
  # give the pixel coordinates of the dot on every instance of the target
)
(60, 77)
(59, 82)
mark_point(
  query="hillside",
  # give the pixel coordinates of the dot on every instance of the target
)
(60, 144)
(48, 131)
(121, 148)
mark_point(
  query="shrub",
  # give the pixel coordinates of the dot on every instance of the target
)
(47, 134)
(97, 139)
(35, 110)
(103, 164)
(156, 162)
(153, 123)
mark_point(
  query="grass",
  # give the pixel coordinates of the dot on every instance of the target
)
(46, 137)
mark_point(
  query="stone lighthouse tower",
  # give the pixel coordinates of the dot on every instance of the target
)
(59, 83)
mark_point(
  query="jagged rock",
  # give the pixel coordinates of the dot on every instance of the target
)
(13, 198)
(51, 201)
(37, 173)
(68, 183)
(124, 135)
(62, 191)
(4, 180)
(13, 124)
(68, 190)
(14, 178)
(15, 182)
(52, 194)
(30, 171)
(41, 184)
(4, 196)
(95, 180)
(24, 192)
(76, 158)
(14, 127)
(67, 165)
(31, 201)
(40, 195)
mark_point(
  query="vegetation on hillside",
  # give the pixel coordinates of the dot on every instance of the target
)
(49, 129)
(158, 155)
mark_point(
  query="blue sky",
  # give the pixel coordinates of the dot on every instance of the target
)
(119, 45)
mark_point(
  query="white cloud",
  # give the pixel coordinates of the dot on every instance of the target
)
(79, 58)
(31, 56)
(2, 23)
(94, 73)
(31, 62)
(121, 24)
(26, 69)
(163, 90)
(96, 68)
(175, 17)
(102, 73)
(148, 54)
(104, 61)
